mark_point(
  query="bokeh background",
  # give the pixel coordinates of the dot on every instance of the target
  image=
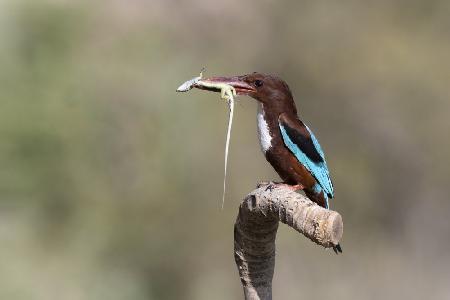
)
(110, 182)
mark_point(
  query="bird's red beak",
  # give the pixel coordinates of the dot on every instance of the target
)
(241, 87)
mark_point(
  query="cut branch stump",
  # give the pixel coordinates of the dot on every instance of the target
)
(256, 228)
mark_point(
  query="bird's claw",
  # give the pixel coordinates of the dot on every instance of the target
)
(270, 187)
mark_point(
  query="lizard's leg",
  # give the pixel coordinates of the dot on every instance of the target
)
(227, 92)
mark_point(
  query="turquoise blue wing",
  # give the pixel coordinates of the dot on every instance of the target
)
(303, 144)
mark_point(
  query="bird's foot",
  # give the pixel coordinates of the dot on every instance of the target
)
(294, 188)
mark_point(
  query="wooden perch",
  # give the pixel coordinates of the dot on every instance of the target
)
(256, 228)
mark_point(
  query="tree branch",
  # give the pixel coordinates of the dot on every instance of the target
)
(256, 228)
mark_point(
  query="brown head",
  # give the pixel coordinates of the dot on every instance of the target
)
(270, 90)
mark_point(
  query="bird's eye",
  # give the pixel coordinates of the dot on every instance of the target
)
(258, 83)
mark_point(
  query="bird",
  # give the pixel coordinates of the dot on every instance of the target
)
(287, 142)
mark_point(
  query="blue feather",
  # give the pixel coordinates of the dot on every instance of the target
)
(318, 169)
(317, 188)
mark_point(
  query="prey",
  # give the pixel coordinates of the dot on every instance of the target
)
(227, 93)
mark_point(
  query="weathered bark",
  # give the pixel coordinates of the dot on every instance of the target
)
(256, 228)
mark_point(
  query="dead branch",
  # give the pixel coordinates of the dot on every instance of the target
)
(256, 228)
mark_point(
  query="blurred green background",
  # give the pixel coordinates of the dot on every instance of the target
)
(110, 182)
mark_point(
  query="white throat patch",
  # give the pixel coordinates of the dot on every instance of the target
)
(265, 138)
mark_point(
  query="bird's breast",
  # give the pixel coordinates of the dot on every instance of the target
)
(265, 138)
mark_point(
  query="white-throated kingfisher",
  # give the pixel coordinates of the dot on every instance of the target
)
(287, 143)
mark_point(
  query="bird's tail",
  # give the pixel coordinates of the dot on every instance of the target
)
(337, 249)
(318, 197)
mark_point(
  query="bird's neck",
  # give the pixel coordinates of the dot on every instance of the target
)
(268, 127)
(268, 131)
(265, 132)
